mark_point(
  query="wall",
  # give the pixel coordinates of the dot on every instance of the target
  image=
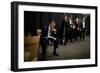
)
(5, 17)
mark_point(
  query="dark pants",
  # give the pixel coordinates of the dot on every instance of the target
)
(61, 38)
(66, 37)
(82, 34)
(70, 34)
(76, 33)
(45, 42)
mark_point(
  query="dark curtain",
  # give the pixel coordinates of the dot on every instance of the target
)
(34, 20)
(88, 25)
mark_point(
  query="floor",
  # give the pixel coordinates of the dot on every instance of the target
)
(76, 50)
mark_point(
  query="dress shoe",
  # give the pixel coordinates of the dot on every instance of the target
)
(55, 54)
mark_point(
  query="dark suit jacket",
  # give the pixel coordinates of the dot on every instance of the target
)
(81, 25)
(77, 25)
(44, 34)
(65, 25)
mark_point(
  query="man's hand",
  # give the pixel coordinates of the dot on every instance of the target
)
(39, 31)
(54, 30)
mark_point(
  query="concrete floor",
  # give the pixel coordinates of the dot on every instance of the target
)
(76, 50)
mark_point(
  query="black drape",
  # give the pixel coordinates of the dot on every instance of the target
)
(34, 20)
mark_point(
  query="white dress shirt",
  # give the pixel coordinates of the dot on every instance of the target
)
(70, 21)
(83, 23)
(49, 31)
(49, 34)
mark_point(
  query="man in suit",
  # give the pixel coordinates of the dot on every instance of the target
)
(65, 29)
(76, 29)
(83, 28)
(71, 28)
(49, 34)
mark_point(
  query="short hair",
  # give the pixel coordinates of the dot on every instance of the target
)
(52, 20)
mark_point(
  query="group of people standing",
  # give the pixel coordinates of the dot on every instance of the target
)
(70, 29)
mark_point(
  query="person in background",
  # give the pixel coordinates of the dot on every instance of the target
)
(76, 29)
(49, 34)
(65, 30)
(83, 28)
(71, 28)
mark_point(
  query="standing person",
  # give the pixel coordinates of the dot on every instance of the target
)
(76, 29)
(71, 28)
(83, 28)
(49, 33)
(65, 29)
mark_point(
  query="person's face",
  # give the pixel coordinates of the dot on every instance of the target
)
(66, 18)
(71, 17)
(77, 19)
(53, 24)
(84, 18)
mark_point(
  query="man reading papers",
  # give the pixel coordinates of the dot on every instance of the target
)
(49, 34)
